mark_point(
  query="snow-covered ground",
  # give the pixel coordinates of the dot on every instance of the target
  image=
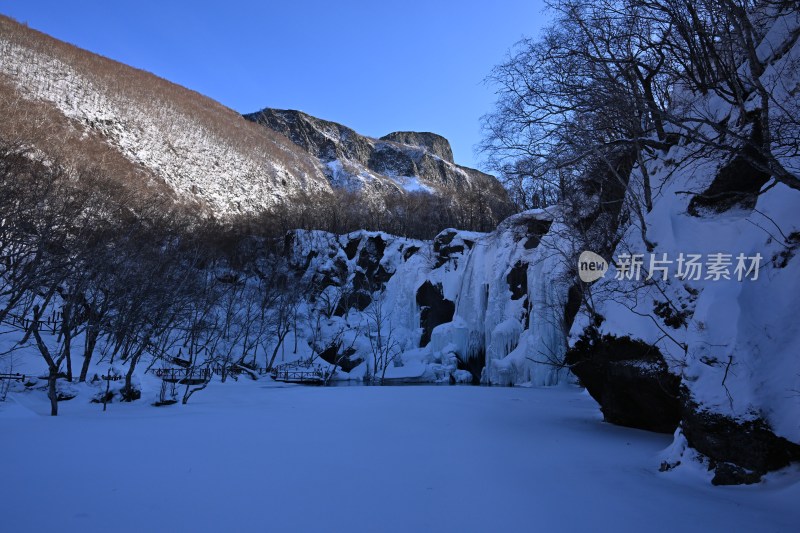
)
(256, 456)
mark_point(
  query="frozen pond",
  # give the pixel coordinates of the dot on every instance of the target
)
(255, 456)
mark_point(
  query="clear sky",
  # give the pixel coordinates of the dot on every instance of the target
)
(376, 66)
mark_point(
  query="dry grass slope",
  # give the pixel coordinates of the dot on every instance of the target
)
(168, 134)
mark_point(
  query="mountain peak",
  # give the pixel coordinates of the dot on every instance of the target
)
(432, 142)
(400, 162)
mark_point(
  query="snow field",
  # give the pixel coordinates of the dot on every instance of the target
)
(256, 456)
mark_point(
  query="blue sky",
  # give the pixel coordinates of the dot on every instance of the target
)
(374, 66)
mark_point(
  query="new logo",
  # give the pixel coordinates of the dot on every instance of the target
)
(591, 267)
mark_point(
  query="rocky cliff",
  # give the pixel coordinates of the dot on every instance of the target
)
(401, 162)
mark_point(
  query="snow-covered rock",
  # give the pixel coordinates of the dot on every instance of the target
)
(491, 304)
(728, 333)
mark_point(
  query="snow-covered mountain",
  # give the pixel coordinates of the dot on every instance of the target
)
(400, 161)
(164, 133)
(78, 107)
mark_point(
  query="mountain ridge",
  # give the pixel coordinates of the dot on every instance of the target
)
(399, 161)
(160, 135)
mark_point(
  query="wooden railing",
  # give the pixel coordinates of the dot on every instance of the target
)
(299, 374)
(178, 374)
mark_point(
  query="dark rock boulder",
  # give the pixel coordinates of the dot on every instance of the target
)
(359, 299)
(408, 252)
(335, 355)
(375, 274)
(730, 474)
(737, 183)
(351, 248)
(536, 230)
(360, 281)
(435, 309)
(629, 379)
(740, 451)
(517, 280)
(382, 276)
(372, 253)
(448, 244)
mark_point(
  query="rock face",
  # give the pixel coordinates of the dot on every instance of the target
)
(465, 306)
(737, 182)
(741, 450)
(435, 310)
(629, 379)
(321, 138)
(450, 245)
(401, 162)
(433, 143)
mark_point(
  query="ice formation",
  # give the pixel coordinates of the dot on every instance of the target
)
(516, 335)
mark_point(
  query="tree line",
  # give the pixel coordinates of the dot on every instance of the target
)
(415, 215)
(135, 277)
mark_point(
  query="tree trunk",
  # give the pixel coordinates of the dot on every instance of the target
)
(190, 391)
(52, 393)
(275, 352)
(88, 350)
(52, 365)
(128, 378)
(128, 388)
(68, 352)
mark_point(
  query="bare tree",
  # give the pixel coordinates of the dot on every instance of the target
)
(384, 346)
(282, 320)
(617, 73)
